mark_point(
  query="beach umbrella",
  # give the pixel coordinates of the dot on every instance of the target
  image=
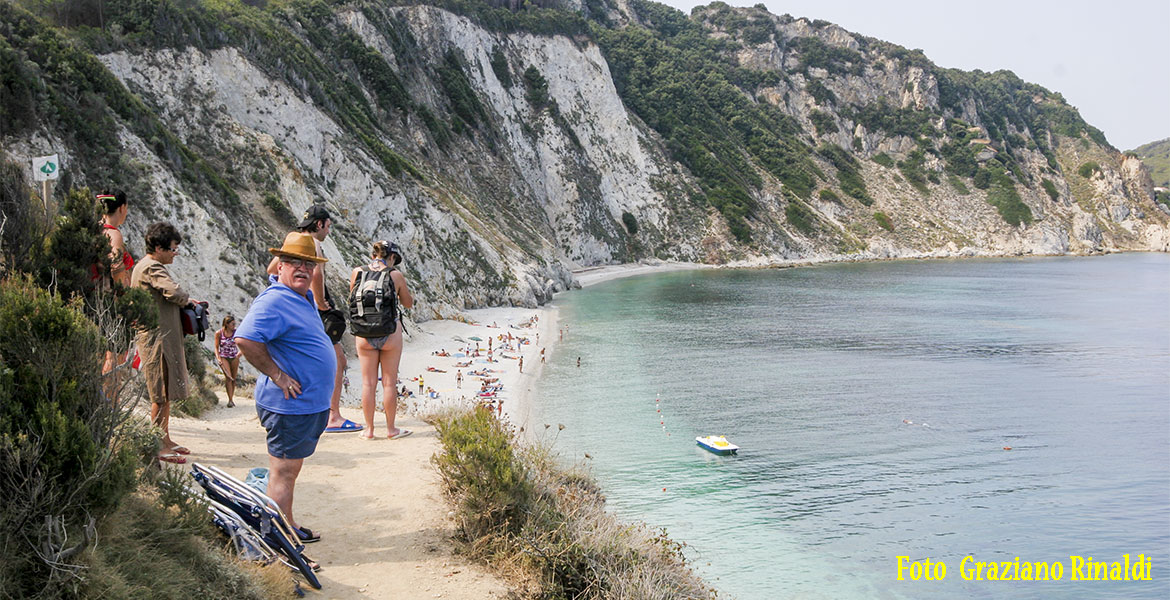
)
(475, 338)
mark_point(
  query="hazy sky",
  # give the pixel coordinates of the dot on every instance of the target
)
(1109, 60)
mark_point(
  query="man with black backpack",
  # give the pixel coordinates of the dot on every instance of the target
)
(376, 322)
(317, 222)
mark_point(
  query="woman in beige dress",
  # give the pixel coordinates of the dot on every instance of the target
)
(164, 363)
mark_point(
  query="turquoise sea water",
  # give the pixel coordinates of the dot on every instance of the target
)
(814, 373)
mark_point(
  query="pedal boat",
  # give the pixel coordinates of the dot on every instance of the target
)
(717, 444)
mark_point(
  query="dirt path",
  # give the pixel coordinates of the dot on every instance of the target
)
(377, 505)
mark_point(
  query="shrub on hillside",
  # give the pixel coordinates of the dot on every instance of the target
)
(630, 222)
(884, 160)
(73, 259)
(1088, 169)
(982, 179)
(500, 67)
(823, 122)
(519, 508)
(76, 249)
(61, 467)
(800, 217)
(847, 173)
(482, 475)
(1050, 189)
(1004, 197)
(958, 184)
(279, 209)
(913, 169)
(536, 87)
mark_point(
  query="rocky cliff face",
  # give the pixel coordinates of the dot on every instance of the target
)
(500, 159)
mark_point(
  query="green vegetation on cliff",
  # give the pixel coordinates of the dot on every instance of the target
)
(681, 83)
(1156, 156)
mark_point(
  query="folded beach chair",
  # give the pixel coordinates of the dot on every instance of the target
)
(248, 543)
(237, 504)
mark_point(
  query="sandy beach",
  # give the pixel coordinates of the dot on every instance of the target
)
(385, 531)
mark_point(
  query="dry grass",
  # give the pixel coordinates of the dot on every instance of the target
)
(151, 549)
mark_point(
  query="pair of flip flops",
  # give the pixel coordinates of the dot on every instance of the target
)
(176, 455)
(401, 434)
(345, 427)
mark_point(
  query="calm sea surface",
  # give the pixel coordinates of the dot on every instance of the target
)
(815, 372)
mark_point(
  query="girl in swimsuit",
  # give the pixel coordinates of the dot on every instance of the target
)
(382, 352)
(228, 355)
(121, 264)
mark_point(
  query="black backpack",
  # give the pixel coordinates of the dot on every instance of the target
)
(373, 304)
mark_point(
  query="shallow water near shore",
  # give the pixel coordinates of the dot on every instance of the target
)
(873, 403)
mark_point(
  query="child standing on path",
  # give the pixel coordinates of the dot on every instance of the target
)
(228, 355)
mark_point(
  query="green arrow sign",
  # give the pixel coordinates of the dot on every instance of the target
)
(46, 167)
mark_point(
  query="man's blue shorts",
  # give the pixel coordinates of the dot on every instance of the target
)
(293, 436)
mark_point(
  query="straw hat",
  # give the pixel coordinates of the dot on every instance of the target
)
(299, 245)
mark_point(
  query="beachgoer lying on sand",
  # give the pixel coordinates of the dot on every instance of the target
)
(434, 370)
(463, 364)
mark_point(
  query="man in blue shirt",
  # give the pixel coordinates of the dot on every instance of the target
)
(283, 338)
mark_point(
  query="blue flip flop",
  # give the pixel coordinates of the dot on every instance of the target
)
(345, 427)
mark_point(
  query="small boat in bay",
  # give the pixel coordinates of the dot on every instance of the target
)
(717, 444)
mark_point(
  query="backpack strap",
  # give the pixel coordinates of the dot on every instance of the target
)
(397, 306)
(380, 294)
(361, 306)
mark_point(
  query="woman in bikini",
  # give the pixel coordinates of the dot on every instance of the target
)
(382, 352)
(121, 264)
(228, 355)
